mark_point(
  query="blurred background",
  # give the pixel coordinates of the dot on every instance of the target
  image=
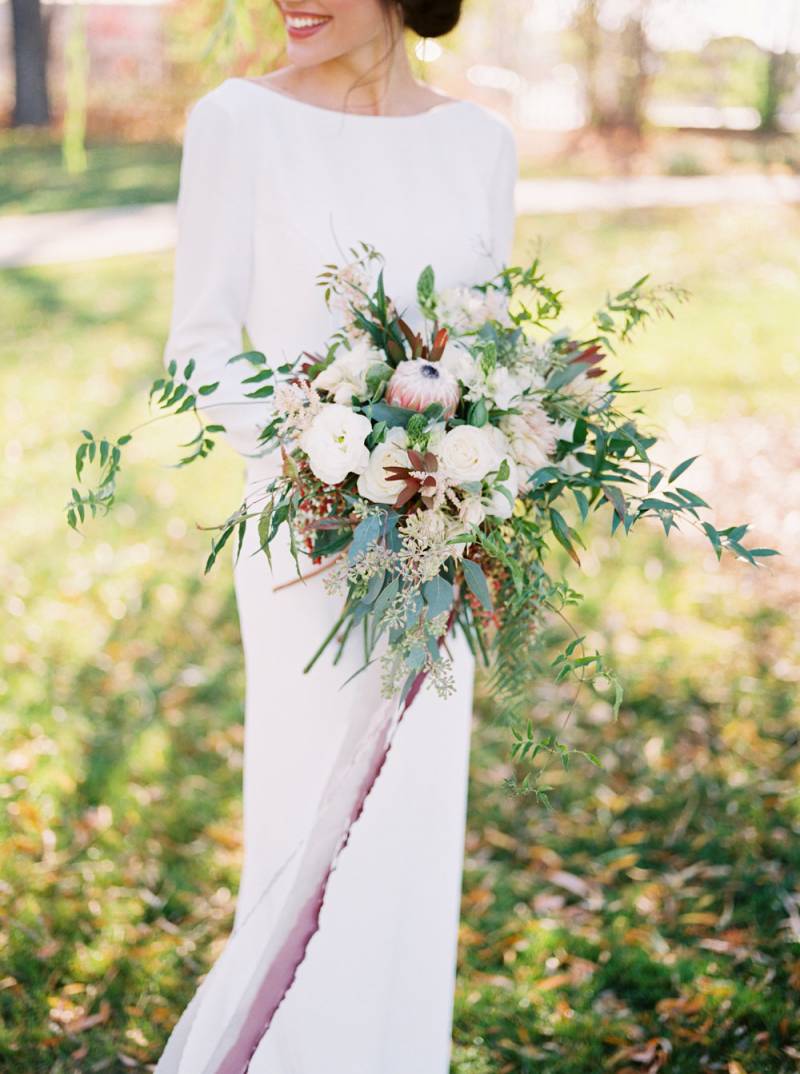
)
(651, 919)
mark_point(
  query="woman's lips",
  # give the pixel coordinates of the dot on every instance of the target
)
(301, 24)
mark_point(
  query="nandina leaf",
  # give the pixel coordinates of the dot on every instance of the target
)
(411, 336)
(408, 493)
(439, 344)
(590, 356)
(416, 460)
(394, 350)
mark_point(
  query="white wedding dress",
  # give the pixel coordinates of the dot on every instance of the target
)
(271, 190)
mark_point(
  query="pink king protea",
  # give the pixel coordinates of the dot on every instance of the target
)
(417, 383)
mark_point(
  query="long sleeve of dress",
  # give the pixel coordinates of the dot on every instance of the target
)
(503, 185)
(213, 267)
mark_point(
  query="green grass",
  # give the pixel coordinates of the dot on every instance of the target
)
(730, 347)
(33, 179)
(650, 909)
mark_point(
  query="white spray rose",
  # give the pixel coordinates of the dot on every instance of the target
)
(374, 483)
(334, 443)
(467, 453)
(346, 376)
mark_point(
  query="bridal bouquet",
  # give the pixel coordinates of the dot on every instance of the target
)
(432, 471)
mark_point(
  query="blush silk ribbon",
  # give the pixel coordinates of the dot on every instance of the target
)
(267, 967)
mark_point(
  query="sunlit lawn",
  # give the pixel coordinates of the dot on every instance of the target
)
(649, 921)
(32, 178)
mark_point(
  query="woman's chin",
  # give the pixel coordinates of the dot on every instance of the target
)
(307, 53)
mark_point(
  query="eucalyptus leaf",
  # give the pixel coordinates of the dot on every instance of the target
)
(439, 595)
(476, 580)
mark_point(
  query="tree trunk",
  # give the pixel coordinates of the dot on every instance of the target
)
(590, 36)
(779, 75)
(634, 78)
(32, 105)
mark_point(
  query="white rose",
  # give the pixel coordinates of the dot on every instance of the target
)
(346, 376)
(467, 453)
(459, 362)
(334, 443)
(374, 483)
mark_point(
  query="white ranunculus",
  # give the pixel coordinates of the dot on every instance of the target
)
(374, 483)
(346, 375)
(458, 361)
(334, 443)
(467, 453)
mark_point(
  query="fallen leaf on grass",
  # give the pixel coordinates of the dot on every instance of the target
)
(652, 1055)
(89, 1021)
(574, 884)
(680, 1005)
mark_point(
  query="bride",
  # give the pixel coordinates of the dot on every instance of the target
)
(342, 958)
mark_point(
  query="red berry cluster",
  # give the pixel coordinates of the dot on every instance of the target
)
(319, 504)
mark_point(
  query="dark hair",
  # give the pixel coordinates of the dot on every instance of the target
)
(430, 18)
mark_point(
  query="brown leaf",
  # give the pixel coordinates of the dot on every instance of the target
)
(574, 884)
(89, 1021)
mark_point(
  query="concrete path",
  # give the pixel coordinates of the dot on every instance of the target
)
(87, 234)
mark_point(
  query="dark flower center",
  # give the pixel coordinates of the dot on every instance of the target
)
(430, 371)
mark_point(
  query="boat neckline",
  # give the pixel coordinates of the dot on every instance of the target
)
(441, 107)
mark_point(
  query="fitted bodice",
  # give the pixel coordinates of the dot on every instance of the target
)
(273, 189)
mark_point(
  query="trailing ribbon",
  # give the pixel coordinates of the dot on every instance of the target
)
(263, 953)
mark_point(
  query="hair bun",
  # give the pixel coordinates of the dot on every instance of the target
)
(431, 18)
